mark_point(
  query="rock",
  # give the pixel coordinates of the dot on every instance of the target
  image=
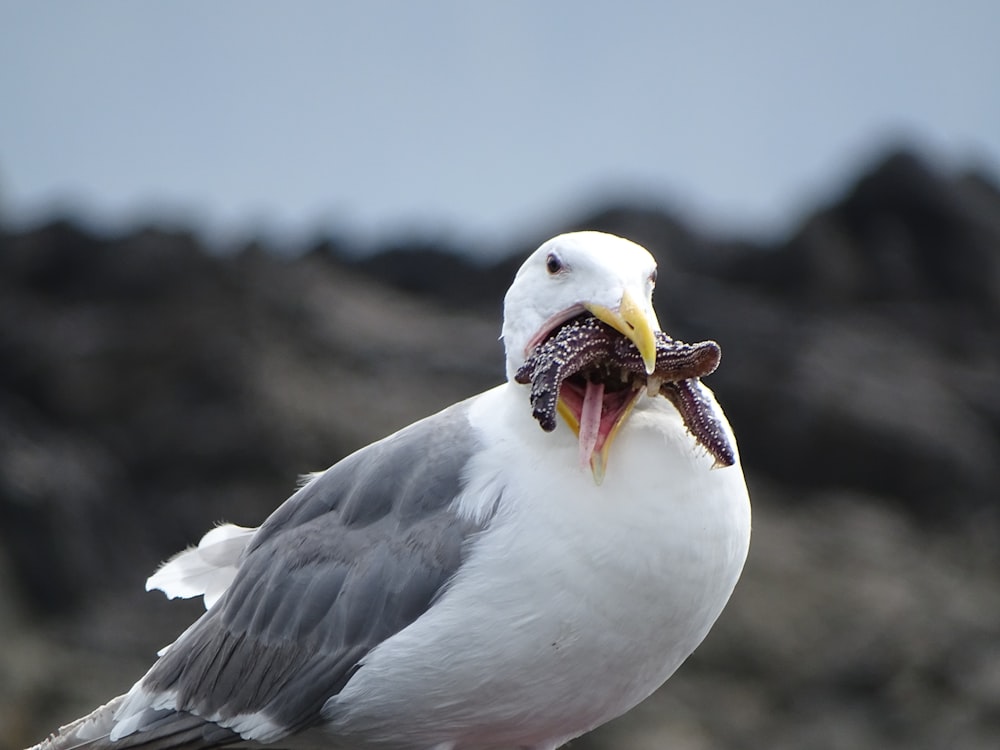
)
(149, 389)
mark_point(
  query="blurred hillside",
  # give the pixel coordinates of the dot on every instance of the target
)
(149, 389)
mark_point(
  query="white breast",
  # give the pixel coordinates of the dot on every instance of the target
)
(577, 602)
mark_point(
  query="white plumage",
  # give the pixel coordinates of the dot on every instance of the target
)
(205, 570)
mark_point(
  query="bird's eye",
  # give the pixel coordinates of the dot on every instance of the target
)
(652, 276)
(553, 264)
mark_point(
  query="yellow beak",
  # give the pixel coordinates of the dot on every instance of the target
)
(639, 326)
(634, 323)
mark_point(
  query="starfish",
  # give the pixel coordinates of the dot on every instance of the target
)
(586, 352)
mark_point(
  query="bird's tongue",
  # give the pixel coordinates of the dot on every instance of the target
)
(590, 421)
(595, 414)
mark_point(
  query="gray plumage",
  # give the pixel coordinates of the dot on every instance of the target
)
(357, 554)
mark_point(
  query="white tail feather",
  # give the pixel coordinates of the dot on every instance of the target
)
(205, 570)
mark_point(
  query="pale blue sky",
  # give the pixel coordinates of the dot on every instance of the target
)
(483, 120)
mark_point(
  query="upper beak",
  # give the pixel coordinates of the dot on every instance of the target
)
(634, 321)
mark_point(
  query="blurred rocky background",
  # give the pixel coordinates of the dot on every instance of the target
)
(150, 388)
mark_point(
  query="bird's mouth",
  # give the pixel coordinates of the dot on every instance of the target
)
(592, 367)
(595, 402)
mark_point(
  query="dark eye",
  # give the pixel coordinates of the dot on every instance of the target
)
(652, 276)
(553, 264)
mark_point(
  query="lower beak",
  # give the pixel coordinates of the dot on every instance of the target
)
(598, 456)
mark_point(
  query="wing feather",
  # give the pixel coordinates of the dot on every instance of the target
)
(357, 554)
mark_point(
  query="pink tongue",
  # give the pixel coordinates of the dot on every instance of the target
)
(590, 421)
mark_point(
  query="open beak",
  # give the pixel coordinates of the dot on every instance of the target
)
(594, 418)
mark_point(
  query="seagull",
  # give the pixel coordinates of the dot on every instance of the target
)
(466, 583)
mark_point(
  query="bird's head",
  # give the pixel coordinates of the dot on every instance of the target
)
(605, 275)
(585, 273)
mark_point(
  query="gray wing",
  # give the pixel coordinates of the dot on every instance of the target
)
(352, 558)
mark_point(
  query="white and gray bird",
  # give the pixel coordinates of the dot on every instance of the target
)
(463, 584)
